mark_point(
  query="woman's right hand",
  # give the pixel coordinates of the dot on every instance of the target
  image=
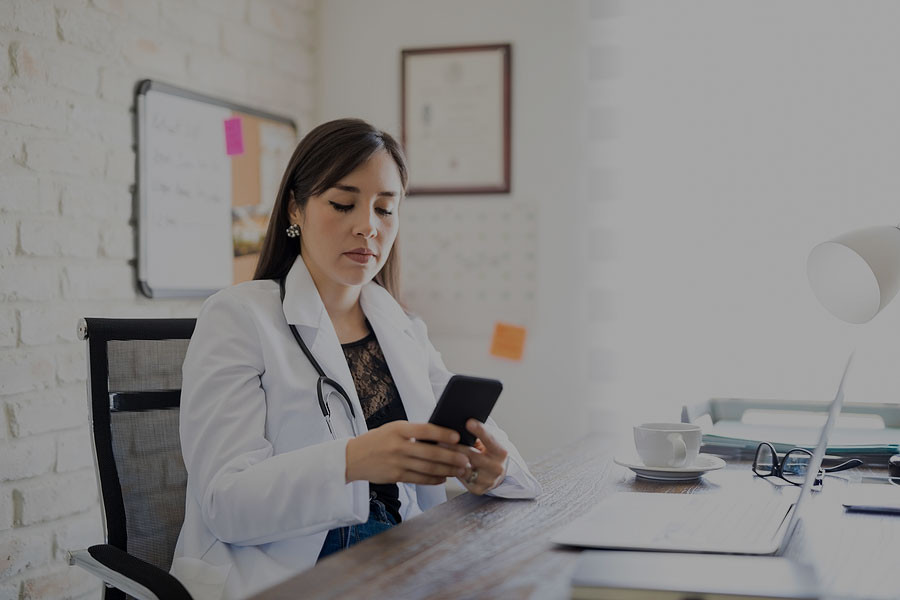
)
(390, 454)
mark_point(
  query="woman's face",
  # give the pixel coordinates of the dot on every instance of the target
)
(347, 232)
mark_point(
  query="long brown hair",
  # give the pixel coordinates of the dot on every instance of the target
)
(323, 157)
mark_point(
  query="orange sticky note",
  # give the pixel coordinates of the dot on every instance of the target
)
(509, 341)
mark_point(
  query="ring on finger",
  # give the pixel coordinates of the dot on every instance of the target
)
(473, 477)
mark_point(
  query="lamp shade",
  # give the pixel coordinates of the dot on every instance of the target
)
(858, 273)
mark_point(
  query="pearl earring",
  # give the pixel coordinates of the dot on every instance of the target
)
(293, 231)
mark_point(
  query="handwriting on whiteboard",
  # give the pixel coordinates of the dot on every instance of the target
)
(188, 188)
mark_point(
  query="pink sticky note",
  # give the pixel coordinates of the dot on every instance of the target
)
(234, 137)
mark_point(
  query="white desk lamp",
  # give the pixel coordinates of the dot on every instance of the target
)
(856, 274)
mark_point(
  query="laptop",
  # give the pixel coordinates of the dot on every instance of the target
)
(719, 522)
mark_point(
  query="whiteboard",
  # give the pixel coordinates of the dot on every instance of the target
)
(207, 174)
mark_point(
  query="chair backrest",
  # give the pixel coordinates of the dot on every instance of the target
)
(134, 393)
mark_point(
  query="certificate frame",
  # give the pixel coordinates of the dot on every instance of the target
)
(455, 118)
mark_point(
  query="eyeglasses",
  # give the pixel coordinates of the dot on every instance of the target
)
(794, 466)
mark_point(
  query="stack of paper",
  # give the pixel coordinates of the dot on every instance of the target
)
(875, 446)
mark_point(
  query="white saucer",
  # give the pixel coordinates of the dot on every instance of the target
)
(704, 464)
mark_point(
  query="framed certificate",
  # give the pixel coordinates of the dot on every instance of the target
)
(455, 105)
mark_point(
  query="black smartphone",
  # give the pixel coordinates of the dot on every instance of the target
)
(464, 398)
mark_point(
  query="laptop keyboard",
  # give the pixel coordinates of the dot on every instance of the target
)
(745, 520)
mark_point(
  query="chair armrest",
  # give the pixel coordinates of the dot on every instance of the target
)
(129, 574)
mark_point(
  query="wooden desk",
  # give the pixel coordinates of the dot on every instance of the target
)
(479, 547)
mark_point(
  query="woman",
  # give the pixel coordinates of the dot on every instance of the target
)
(286, 464)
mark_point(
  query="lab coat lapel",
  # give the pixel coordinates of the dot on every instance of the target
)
(304, 308)
(405, 357)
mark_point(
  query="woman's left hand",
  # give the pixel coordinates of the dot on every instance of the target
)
(488, 460)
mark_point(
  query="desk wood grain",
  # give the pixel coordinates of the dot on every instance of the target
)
(480, 547)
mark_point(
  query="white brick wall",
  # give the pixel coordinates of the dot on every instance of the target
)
(67, 74)
(23, 371)
(34, 413)
(6, 512)
(29, 457)
(9, 332)
(55, 496)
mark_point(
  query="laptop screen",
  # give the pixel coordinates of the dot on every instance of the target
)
(815, 462)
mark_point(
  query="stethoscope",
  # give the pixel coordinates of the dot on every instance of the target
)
(323, 379)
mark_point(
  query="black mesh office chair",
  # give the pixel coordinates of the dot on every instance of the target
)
(134, 393)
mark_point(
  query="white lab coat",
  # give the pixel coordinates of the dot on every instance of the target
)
(265, 477)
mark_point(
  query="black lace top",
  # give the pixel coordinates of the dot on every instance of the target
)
(380, 401)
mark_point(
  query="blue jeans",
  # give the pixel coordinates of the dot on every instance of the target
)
(344, 537)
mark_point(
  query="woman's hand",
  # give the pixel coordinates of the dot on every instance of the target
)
(390, 454)
(488, 459)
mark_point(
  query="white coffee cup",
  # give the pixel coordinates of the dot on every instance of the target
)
(667, 444)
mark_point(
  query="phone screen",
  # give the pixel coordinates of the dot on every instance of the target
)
(464, 398)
